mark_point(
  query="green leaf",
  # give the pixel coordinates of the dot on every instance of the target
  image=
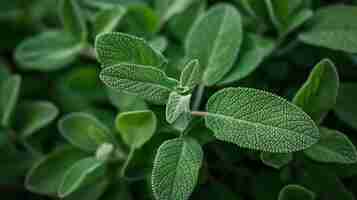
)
(76, 175)
(136, 127)
(34, 115)
(46, 176)
(190, 75)
(296, 21)
(84, 131)
(47, 51)
(159, 43)
(254, 50)
(93, 191)
(333, 147)
(9, 94)
(296, 192)
(259, 120)
(145, 81)
(319, 93)
(176, 169)
(333, 27)
(73, 19)
(169, 8)
(276, 160)
(120, 48)
(346, 109)
(216, 49)
(108, 19)
(178, 108)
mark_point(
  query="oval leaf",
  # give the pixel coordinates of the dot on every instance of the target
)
(73, 19)
(215, 48)
(276, 160)
(9, 94)
(167, 9)
(190, 75)
(296, 192)
(259, 120)
(346, 109)
(136, 127)
(178, 110)
(107, 19)
(176, 169)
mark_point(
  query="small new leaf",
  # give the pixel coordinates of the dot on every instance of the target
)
(178, 106)
(259, 120)
(216, 49)
(176, 169)
(9, 93)
(296, 192)
(276, 160)
(190, 75)
(319, 93)
(119, 48)
(333, 147)
(145, 81)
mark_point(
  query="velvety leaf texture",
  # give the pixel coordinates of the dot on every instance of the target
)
(176, 169)
(333, 27)
(333, 147)
(190, 75)
(259, 120)
(319, 93)
(346, 109)
(9, 93)
(116, 48)
(147, 82)
(216, 49)
(276, 160)
(177, 106)
(296, 192)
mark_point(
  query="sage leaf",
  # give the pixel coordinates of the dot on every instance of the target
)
(9, 94)
(145, 81)
(296, 21)
(169, 8)
(84, 131)
(333, 147)
(333, 27)
(77, 174)
(216, 49)
(34, 115)
(45, 176)
(108, 19)
(276, 160)
(254, 50)
(47, 51)
(159, 43)
(176, 169)
(136, 127)
(319, 93)
(73, 19)
(120, 48)
(93, 191)
(126, 102)
(296, 192)
(259, 120)
(178, 110)
(346, 109)
(190, 75)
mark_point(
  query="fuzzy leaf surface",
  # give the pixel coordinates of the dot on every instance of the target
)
(190, 75)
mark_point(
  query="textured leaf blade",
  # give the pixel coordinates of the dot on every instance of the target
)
(47, 51)
(215, 49)
(176, 169)
(147, 82)
(178, 110)
(333, 27)
(136, 127)
(276, 160)
(169, 8)
(254, 50)
(259, 120)
(296, 192)
(73, 19)
(346, 109)
(333, 147)
(9, 93)
(76, 175)
(319, 93)
(107, 20)
(159, 43)
(117, 48)
(190, 75)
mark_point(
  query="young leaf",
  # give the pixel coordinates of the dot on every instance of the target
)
(159, 43)
(107, 20)
(216, 49)
(333, 147)
(145, 81)
(333, 27)
(254, 50)
(84, 131)
(176, 169)
(169, 8)
(136, 127)
(76, 175)
(319, 93)
(259, 120)
(47, 51)
(178, 108)
(276, 160)
(73, 19)
(120, 48)
(346, 109)
(9, 93)
(45, 176)
(190, 75)
(296, 192)
(34, 115)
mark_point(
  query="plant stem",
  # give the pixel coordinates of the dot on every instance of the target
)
(126, 163)
(198, 113)
(198, 98)
(89, 52)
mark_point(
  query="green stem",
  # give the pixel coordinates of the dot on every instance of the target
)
(198, 98)
(89, 52)
(198, 113)
(126, 163)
